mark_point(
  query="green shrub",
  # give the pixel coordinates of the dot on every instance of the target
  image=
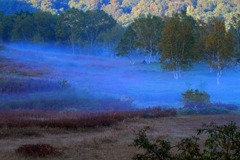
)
(222, 143)
(195, 98)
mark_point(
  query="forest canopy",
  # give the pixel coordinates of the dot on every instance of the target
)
(125, 11)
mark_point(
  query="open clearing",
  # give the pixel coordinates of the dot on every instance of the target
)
(108, 143)
(116, 77)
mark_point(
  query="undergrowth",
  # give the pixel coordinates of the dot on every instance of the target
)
(222, 143)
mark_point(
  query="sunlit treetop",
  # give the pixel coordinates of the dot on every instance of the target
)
(125, 11)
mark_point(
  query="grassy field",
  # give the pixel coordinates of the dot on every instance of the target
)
(104, 143)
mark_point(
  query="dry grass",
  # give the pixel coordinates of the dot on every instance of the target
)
(110, 143)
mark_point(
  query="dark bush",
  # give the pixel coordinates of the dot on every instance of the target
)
(222, 143)
(39, 150)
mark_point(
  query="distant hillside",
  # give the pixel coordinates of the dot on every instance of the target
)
(124, 11)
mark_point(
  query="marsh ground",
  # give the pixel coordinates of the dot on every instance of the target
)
(106, 143)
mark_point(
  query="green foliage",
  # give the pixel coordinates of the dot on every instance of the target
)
(125, 11)
(218, 46)
(177, 43)
(127, 44)
(143, 35)
(96, 22)
(70, 27)
(235, 31)
(45, 24)
(195, 96)
(222, 143)
(160, 149)
(23, 27)
(111, 36)
(7, 23)
(148, 31)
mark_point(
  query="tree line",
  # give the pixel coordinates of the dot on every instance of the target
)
(72, 27)
(181, 41)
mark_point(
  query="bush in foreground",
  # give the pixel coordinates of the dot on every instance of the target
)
(222, 143)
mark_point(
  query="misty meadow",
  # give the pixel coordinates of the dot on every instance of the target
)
(82, 83)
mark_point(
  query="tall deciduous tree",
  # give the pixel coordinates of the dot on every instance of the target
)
(127, 44)
(23, 27)
(219, 46)
(70, 27)
(235, 30)
(177, 43)
(96, 22)
(148, 31)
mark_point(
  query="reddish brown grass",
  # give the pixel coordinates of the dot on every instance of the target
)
(74, 120)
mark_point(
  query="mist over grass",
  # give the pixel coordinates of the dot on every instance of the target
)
(43, 75)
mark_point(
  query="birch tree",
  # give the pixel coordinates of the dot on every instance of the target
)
(148, 32)
(219, 46)
(177, 43)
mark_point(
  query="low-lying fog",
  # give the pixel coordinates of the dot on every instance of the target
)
(98, 73)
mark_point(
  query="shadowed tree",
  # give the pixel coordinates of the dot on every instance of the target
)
(219, 46)
(23, 27)
(70, 27)
(127, 44)
(7, 23)
(112, 36)
(45, 25)
(177, 44)
(96, 22)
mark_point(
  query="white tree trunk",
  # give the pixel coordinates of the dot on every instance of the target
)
(177, 74)
(219, 74)
(150, 58)
(131, 60)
